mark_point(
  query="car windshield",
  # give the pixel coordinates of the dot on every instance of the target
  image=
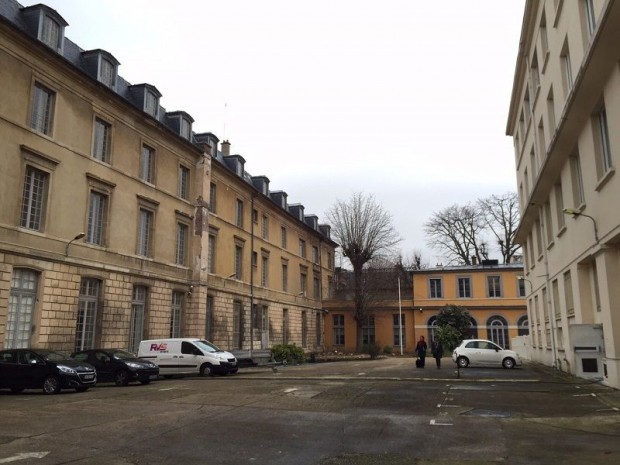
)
(123, 354)
(206, 346)
(53, 356)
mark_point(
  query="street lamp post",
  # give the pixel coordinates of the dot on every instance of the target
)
(576, 213)
(77, 237)
(400, 319)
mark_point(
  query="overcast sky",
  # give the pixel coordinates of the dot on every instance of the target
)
(406, 100)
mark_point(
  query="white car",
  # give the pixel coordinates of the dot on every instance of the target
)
(483, 352)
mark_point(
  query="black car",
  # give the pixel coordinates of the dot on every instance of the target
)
(118, 365)
(41, 368)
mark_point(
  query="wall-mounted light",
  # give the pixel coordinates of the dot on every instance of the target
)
(77, 237)
(576, 213)
(420, 310)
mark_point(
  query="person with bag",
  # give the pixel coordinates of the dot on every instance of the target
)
(437, 351)
(420, 350)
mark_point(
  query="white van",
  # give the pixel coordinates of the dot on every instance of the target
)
(184, 356)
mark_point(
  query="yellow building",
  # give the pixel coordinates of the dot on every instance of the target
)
(564, 107)
(493, 295)
(390, 318)
(106, 228)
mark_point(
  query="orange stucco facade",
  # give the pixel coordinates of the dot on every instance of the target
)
(492, 294)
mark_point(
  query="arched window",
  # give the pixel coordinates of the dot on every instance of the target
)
(432, 327)
(22, 299)
(473, 330)
(523, 326)
(497, 331)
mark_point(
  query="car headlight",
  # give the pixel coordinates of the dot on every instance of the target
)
(66, 369)
(133, 365)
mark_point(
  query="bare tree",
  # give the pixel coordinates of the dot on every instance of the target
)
(457, 232)
(501, 215)
(364, 231)
(414, 261)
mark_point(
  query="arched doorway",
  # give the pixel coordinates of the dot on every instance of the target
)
(432, 327)
(473, 329)
(523, 326)
(497, 331)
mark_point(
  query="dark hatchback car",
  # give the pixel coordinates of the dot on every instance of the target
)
(118, 366)
(43, 369)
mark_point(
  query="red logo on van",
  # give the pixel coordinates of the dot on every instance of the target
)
(159, 347)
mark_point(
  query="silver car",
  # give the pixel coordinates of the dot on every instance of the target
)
(485, 353)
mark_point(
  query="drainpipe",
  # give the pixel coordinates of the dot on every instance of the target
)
(550, 310)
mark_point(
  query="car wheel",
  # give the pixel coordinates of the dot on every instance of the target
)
(51, 385)
(145, 381)
(121, 378)
(82, 389)
(508, 363)
(462, 362)
(17, 390)
(206, 370)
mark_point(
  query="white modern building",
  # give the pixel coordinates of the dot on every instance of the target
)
(564, 108)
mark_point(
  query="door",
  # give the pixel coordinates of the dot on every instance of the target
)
(167, 357)
(21, 308)
(490, 354)
(31, 369)
(190, 359)
(264, 328)
(103, 364)
(8, 369)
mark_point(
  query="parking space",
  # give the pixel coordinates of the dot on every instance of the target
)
(319, 413)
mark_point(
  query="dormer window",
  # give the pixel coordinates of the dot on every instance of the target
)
(186, 128)
(151, 103)
(107, 73)
(46, 25)
(181, 123)
(146, 98)
(50, 32)
(102, 66)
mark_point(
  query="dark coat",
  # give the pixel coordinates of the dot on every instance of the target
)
(437, 350)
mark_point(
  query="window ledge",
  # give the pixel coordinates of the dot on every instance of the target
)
(562, 230)
(605, 179)
(550, 245)
(545, 61)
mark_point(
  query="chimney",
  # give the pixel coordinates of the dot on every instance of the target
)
(474, 260)
(225, 148)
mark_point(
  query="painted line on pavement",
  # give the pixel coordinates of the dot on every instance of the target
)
(434, 423)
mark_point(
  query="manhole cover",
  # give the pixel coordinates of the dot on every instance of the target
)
(478, 412)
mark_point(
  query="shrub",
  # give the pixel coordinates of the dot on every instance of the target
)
(388, 350)
(372, 349)
(287, 353)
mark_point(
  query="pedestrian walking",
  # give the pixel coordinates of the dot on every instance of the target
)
(420, 350)
(437, 351)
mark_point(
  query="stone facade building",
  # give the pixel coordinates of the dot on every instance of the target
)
(565, 103)
(109, 230)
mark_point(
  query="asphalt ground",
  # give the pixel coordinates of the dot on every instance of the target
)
(343, 413)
